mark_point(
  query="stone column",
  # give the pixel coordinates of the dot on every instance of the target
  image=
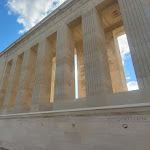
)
(97, 73)
(22, 79)
(64, 81)
(118, 78)
(42, 84)
(81, 72)
(15, 82)
(5, 80)
(30, 78)
(3, 60)
(3, 70)
(137, 27)
(8, 90)
(53, 79)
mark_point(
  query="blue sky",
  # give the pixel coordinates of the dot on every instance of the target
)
(8, 27)
(127, 63)
(18, 16)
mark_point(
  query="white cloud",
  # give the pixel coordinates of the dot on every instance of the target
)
(9, 13)
(128, 78)
(123, 45)
(30, 12)
(132, 86)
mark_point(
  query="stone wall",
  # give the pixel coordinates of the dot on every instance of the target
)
(104, 128)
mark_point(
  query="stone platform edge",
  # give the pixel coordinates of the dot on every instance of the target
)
(141, 108)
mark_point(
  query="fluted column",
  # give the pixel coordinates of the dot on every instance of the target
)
(22, 79)
(64, 81)
(118, 78)
(97, 73)
(8, 90)
(4, 80)
(42, 84)
(53, 79)
(30, 78)
(137, 27)
(2, 67)
(15, 82)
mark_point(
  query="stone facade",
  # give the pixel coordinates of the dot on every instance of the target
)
(37, 80)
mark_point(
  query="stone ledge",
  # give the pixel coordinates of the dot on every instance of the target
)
(143, 108)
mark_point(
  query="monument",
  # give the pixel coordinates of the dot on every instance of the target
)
(38, 108)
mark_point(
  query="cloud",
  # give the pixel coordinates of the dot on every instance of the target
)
(30, 12)
(128, 78)
(123, 45)
(9, 13)
(132, 86)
